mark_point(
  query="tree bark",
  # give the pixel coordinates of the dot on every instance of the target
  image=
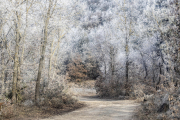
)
(127, 65)
(3, 69)
(145, 66)
(112, 62)
(2, 47)
(127, 61)
(42, 54)
(153, 72)
(16, 62)
(49, 67)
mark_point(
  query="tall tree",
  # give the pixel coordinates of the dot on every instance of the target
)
(51, 7)
(126, 27)
(16, 58)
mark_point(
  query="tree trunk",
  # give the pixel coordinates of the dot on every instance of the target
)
(50, 60)
(127, 66)
(16, 62)
(112, 62)
(3, 69)
(145, 66)
(42, 54)
(49, 67)
(153, 71)
(41, 64)
(127, 69)
(127, 61)
(160, 73)
(105, 68)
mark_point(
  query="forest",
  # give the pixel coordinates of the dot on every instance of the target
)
(128, 49)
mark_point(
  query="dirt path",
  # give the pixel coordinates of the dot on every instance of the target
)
(101, 109)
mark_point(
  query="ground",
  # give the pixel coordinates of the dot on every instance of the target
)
(100, 109)
(89, 107)
(96, 108)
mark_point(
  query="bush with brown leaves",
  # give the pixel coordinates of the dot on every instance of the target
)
(164, 105)
(57, 99)
(113, 88)
(8, 111)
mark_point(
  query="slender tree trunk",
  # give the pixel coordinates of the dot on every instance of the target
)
(177, 58)
(153, 71)
(127, 64)
(3, 69)
(127, 61)
(42, 54)
(145, 66)
(50, 60)
(16, 62)
(2, 59)
(41, 64)
(159, 79)
(178, 43)
(127, 70)
(21, 61)
(105, 68)
(57, 47)
(112, 62)
(49, 67)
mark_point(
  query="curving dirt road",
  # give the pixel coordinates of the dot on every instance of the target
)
(100, 109)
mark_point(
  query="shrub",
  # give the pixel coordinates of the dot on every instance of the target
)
(19, 94)
(8, 111)
(77, 70)
(140, 90)
(56, 98)
(164, 105)
(113, 88)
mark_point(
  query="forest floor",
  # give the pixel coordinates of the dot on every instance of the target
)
(89, 107)
(100, 109)
(96, 108)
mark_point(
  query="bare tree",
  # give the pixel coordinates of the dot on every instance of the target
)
(16, 58)
(47, 17)
(127, 28)
(3, 65)
(2, 57)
